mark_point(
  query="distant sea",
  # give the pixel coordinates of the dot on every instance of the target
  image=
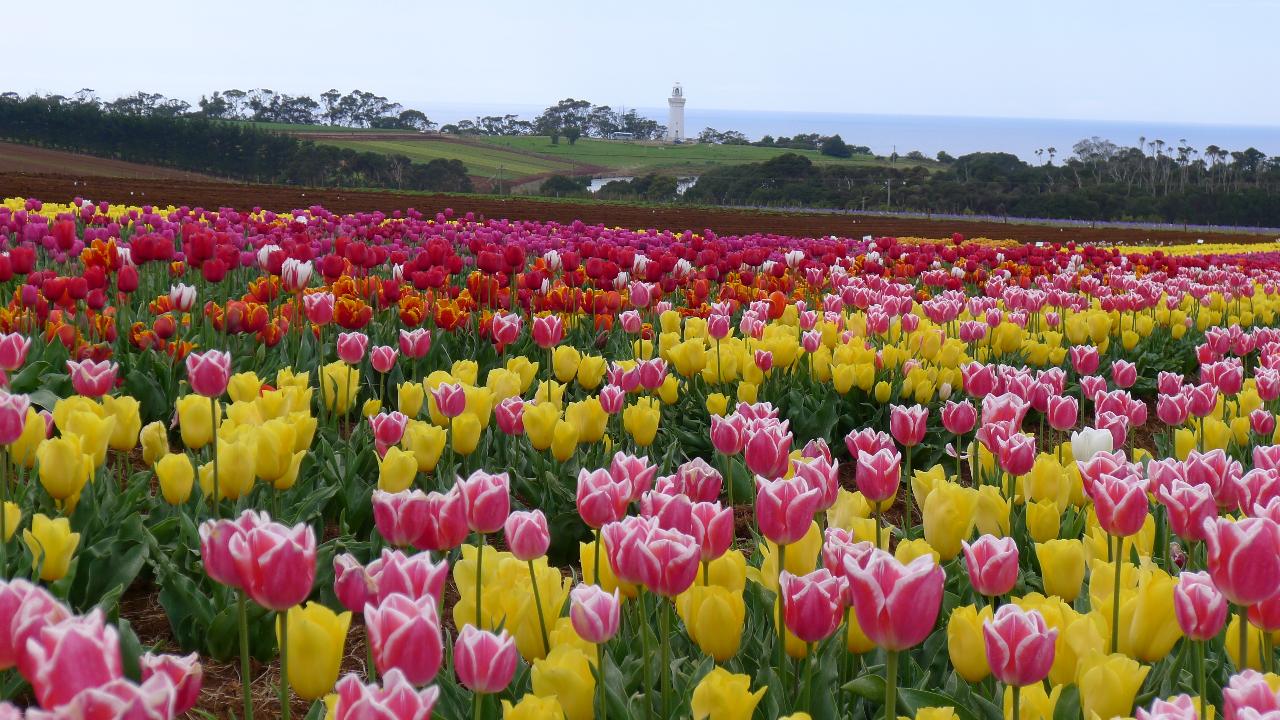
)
(929, 133)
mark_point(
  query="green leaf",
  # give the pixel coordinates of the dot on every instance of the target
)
(1068, 707)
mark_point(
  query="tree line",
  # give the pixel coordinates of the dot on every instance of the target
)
(145, 130)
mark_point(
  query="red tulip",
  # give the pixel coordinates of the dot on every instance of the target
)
(878, 475)
(527, 534)
(184, 672)
(811, 604)
(1200, 607)
(594, 613)
(1020, 647)
(992, 564)
(486, 499)
(1244, 558)
(276, 564)
(351, 347)
(896, 605)
(396, 699)
(404, 634)
(484, 662)
(209, 372)
(785, 509)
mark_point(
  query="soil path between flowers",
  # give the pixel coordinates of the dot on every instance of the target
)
(62, 188)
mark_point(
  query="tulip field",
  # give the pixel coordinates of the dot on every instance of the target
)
(376, 466)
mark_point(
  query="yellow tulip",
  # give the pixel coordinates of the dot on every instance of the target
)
(909, 550)
(641, 421)
(196, 420)
(802, 558)
(66, 407)
(304, 430)
(1047, 480)
(882, 392)
(669, 391)
(566, 675)
(155, 442)
(479, 404)
(729, 571)
(689, 357)
(526, 369)
(933, 713)
(564, 441)
(717, 404)
(124, 436)
(64, 466)
(1148, 627)
(287, 378)
(722, 695)
(12, 518)
(965, 644)
(273, 443)
(591, 371)
(1253, 641)
(564, 362)
(371, 407)
(532, 707)
(540, 424)
(1033, 702)
(465, 430)
(1043, 520)
(52, 544)
(409, 398)
(713, 617)
(1108, 684)
(244, 387)
(503, 383)
(177, 476)
(339, 385)
(23, 450)
(236, 465)
(588, 418)
(949, 512)
(992, 517)
(1062, 567)
(561, 633)
(465, 371)
(426, 442)
(95, 434)
(748, 392)
(317, 636)
(396, 470)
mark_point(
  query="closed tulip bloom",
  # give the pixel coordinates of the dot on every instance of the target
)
(404, 635)
(667, 561)
(641, 420)
(1200, 607)
(722, 695)
(13, 351)
(673, 512)
(1084, 358)
(126, 411)
(185, 673)
(1063, 412)
(27, 609)
(14, 415)
(177, 476)
(728, 434)
(908, 424)
(1020, 647)
(1108, 684)
(352, 583)
(527, 534)
(1062, 564)
(209, 372)
(415, 343)
(712, 526)
(400, 516)
(595, 613)
(1189, 506)
(383, 358)
(397, 699)
(12, 518)
(388, 428)
(466, 431)
(319, 307)
(636, 473)
(1173, 410)
(1088, 442)
(483, 661)
(785, 509)
(1262, 422)
(768, 451)
(1017, 454)
(64, 467)
(76, 654)
(959, 417)
(1123, 373)
(992, 564)
(215, 546)
(486, 499)
(277, 564)
(426, 442)
(565, 674)
(1121, 503)
(965, 644)
(811, 604)
(52, 544)
(196, 421)
(897, 605)
(93, 379)
(1244, 558)
(446, 522)
(713, 616)
(878, 475)
(1249, 695)
(949, 512)
(317, 636)
(413, 576)
(600, 500)
(548, 330)
(532, 707)
(351, 347)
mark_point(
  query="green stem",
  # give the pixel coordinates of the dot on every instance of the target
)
(1115, 599)
(1202, 687)
(808, 678)
(645, 664)
(244, 656)
(477, 705)
(4, 514)
(537, 601)
(284, 665)
(213, 422)
(597, 560)
(781, 652)
(666, 657)
(879, 526)
(479, 578)
(1244, 638)
(909, 517)
(1017, 702)
(371, 669)
(602, 709)
(1268, 652)
(891, 685)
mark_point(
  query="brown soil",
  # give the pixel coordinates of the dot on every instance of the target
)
(15, 158)
(723, 221)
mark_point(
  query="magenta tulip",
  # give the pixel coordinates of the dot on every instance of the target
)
(95, 379)
(594, 613)
(209, 372)
(812, 607)
(785, 509)
(992, 564)
(446, 522)
(351, 347)
(276, 564)
(908, 424)
(768, 450)
(1020, 647)
(1200, 607)
(527, 534)
(397, 699)
(404, 634)
(78, 653)
(878, 475)
(484, 662)
(400, 517)
(184, 672)
(897, 605)
(486, 499)
(1244, 558)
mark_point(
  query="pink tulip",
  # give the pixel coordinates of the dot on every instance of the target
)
(1180, 707)
(13, 416)
(1266, 456)
(896, 605)
(527, 534)
(548, 330)
(1248, 691)
(1121, 503)
(1188, 507)
(1173, 410)
(383, 358)
(446, 522)
(1202, 399)
(768, 450)
(506, 329)
(1215, 469)
(76, 654)
(1004, 408)
(1244, 558)
(416, 343)
(352, 583)
(119, 699)
(1200, 607)
(627, 379)
(785, 509)
(1168, 383)
(1063, 412)
(510, 416)
(319, 308)
(763, 360)
(388, 428)
(1020, 647)
(959, 417)
(1258, 487)
(351, 347)
(811, 604)
(840, 544)
(612, 398)
(94, 379)
(13, 351)
(393, 573)
(667, 561)
(653, 373)
(673, 512)
(25, 610)
(404, 634)
(979, 379)
(184, 672)
(600, 499)
(486, 498)
(1093, 385)
(695, 478)
(718, 326)
(1017, 454)
(1084, 358)
(1267, 383)
(1262, 422)
(397, 699)
(635, 473)
(276, 564)
(1123, 373)
(622, 540)
(878, 475)
(400, 516)
(484, 662)
(712, 526)
(594, 613)
(908, 424)
(209, 372)
(632, 323)
(822, 475)
(450, 399)
(215, 546)
(992, 564)
(728, 434)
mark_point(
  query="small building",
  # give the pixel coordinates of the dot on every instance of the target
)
(622, 136)
(675, 115)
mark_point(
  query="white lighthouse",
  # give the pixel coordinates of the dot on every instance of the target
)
(675, 115)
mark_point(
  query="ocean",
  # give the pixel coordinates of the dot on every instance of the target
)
(929, 134)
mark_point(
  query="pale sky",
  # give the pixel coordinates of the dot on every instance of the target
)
(1187, 61)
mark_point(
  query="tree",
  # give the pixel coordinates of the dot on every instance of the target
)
(562, 186)
(835, 146)
(572, 133)
(944, 157)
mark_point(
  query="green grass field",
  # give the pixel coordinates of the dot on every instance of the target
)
(481, 159)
